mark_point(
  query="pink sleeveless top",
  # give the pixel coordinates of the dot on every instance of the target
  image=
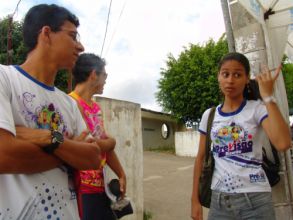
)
(92, 181)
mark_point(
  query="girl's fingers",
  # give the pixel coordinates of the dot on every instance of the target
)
(277, 72)
(265, 72)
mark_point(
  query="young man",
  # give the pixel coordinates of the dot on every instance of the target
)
(35, 163)
(90, 77)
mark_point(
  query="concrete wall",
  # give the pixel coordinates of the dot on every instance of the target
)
(123, 121)
(152, 122)
(152, 136)
(186, 143)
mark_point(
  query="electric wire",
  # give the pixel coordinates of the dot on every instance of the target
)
(106, 28)
(16, 8)
(116, 27)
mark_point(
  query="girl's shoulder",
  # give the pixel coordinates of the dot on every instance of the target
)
(255, 103)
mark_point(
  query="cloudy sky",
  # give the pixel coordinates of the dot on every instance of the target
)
(140, 35)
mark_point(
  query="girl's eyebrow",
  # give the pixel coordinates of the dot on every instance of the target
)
(232, 70)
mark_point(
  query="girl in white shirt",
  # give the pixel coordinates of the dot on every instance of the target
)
(240, 189)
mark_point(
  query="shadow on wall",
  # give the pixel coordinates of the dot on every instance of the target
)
(158, 130)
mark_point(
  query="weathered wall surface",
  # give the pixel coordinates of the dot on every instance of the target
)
(152, 135)
(123, 121)
(186, 143)
(152, 123)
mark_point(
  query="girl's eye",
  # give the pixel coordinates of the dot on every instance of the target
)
(225, 74)
(237, 75)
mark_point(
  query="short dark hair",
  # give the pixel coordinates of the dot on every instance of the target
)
(85, 64)
(42, 15)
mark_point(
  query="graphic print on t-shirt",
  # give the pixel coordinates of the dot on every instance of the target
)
(45, 116)
(230, 182)
(231, 140)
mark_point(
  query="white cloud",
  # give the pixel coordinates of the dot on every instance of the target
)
(138, 42)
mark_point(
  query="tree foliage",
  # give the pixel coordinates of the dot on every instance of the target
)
(287, 71)
(18, 48)
(20, 51)
(188, 85)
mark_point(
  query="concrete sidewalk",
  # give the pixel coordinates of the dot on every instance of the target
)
(167, 186)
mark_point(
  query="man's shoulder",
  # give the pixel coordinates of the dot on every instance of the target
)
(4, 69)
(7, 75)
(64, 96)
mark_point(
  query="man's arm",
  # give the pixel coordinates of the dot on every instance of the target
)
(114, 163)
(78, 154)
(20, 156)
(107, 144)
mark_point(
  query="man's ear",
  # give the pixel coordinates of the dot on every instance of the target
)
(44, 34)
(93, 75)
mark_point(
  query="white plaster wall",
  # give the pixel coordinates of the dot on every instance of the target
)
(123, 121)
(186, 143)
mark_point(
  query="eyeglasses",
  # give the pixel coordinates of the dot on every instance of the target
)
(73, 34)
(102, 73)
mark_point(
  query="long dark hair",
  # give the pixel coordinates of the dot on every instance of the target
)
(251, 90)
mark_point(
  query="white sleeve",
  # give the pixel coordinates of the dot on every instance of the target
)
(260, 112)
(6, 117)
(203, 122)
(80, 124)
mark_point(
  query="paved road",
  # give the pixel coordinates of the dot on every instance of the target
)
(167, 186)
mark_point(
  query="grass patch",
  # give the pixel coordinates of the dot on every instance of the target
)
(170, 150)
(147, 215)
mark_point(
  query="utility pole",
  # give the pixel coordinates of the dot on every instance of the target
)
(228, 26)
(9, 40)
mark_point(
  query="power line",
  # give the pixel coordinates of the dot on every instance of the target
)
(106, 27)
(114, 32)
(16, 8)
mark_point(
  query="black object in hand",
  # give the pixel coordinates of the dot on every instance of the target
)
(114, 187)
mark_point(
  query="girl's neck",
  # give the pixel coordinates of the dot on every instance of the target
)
(231, 105)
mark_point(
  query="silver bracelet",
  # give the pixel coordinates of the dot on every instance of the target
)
(269, 99)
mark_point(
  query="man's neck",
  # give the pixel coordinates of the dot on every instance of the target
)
(40, 69)
(84, 92)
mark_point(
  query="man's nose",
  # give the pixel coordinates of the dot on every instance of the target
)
(80, 47)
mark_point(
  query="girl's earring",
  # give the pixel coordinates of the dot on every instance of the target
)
(248, 88)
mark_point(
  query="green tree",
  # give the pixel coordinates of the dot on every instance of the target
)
(188, 85)
(287, 71)
(20, 51)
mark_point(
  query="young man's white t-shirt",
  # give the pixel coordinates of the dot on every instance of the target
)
(27, 102)
(237, 139)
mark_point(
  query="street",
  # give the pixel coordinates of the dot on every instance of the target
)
(167, 186)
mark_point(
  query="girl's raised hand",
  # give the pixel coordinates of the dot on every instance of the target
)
(266, 81)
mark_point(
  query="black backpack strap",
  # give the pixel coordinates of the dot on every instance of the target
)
(208, 135)
(275, 154)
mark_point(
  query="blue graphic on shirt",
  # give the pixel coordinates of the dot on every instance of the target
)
(232, 182)
(258, 177)
(232, 140)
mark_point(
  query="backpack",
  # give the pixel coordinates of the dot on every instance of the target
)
(205, 180)
(271, 168)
